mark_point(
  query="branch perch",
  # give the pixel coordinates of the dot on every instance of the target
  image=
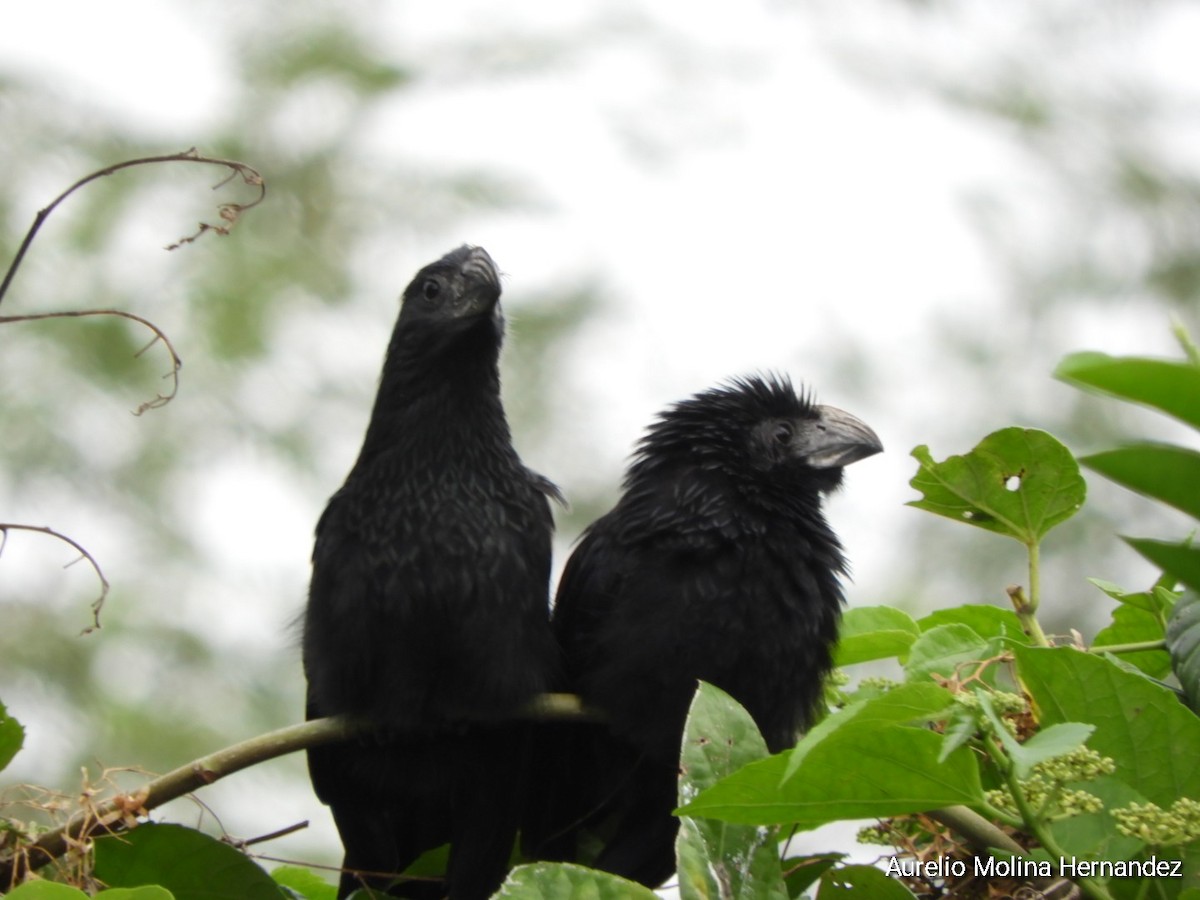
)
(113, 815)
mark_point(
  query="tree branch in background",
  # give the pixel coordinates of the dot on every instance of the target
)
(98, 603)
(230, 212)
(160, 399)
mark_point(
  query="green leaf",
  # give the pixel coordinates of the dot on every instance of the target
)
(945, 650)
(719, 859)
(304, 882)
(803, 871)
(861, 883)
(561, 881)
(985, 621)
(188, 863)
(49, 890)
(1158, 600)
(874, 632)
(1161, 471)
(1138, 723)
(1181, 560)
(1049, 742)
(908, 703)
(45, 890)
(12, 737)
(1020, 482)
(1183, 642)
(862, 764)
(1172, 387)
(1132, 625)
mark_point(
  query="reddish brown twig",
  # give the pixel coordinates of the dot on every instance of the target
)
(228, 211)
(98, 603)
(160, 399)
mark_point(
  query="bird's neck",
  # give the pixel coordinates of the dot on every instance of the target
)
(443, 394)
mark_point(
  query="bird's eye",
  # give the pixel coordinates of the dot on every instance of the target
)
(430, 289)
(782, 433)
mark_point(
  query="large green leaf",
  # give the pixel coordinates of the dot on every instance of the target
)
(722, 859)
(1172, 387)
(893, 771)
(1183, 641)
(862, 762)
(189, 863)
(1141, 725)
(1020, 482)
(561, 881)
(1161, 471)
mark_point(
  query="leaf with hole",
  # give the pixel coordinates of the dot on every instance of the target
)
(722, 859)
(1019, 482)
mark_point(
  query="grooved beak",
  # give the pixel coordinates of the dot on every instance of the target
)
(839, 439)
(479, 267)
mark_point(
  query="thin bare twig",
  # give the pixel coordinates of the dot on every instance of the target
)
(98, 603)
(230, 212)
(160, 399)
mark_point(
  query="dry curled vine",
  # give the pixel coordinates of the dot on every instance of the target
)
(98, 603)
(229, 213)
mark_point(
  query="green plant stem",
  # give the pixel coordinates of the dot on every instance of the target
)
(1033, 823)
(975, 829)
(1026, 611)
(1186, 342)
(1000, 815)
(1134, 647)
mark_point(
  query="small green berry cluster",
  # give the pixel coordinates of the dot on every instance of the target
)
(1160, 827)
(1045, 788)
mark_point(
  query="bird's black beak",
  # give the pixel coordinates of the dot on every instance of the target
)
(481, 283)
(837, 439)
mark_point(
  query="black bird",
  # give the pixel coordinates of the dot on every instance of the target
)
(716, 564)
(428, 612)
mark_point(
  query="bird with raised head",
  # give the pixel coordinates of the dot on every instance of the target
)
(427, 614)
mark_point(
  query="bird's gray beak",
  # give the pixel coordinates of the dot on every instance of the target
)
(481, 269)
(838, 439)
(482, 280)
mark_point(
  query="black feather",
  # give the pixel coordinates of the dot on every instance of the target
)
(716, 564)
(427, 611)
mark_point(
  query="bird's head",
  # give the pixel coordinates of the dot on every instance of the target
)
(760, 428)
(461, 287)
